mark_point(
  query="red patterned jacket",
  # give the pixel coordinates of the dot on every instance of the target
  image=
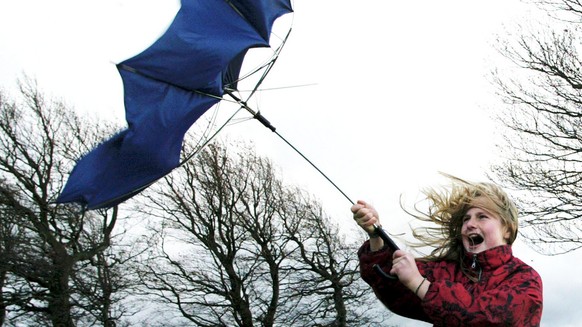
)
(509, 292)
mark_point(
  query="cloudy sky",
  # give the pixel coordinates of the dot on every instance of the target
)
(380, 95)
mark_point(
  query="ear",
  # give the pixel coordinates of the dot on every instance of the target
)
(507, 235)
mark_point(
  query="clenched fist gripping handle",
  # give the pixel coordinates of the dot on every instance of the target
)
(387, 240)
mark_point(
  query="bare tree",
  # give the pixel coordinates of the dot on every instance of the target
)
(323, 272)
(226, 255)
(224, 210)
(10, 235)
(542, 116)
(103, 283)
(39, 141)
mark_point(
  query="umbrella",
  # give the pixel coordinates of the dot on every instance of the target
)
(167, 87)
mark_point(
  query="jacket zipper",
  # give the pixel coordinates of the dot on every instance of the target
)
(474, 266)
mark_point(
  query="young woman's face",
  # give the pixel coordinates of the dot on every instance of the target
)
(482, 230)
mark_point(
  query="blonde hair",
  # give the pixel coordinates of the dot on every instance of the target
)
(447, 208)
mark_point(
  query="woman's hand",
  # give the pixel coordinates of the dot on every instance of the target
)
(367, 218)
(404, 266)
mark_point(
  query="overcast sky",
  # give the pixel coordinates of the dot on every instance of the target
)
(380, 95)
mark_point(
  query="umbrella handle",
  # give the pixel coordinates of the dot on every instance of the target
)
(387, 240)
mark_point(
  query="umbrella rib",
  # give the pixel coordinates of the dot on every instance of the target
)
(270, 65)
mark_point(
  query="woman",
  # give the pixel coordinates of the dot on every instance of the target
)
(471, 278)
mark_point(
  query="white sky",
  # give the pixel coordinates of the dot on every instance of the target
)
(397, 92)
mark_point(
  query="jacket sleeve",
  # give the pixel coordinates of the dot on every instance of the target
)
(390, 292)
(517, 301)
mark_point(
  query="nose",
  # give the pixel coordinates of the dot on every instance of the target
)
(470, 223)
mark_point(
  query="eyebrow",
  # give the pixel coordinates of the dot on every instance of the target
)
(479, 211)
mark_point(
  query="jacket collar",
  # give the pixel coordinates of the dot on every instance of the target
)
(490, 259)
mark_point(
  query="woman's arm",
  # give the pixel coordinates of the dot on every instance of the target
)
(391, 292)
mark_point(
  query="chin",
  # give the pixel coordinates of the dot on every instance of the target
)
(474, 250)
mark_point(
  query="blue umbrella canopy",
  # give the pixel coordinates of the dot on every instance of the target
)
(167, 88)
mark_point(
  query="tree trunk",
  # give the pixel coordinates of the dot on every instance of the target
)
(59, 305)
(2, 300)
(340, 307)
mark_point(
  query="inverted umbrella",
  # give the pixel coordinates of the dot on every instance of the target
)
(167, 88)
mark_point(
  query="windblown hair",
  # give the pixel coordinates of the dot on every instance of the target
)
(447, 208)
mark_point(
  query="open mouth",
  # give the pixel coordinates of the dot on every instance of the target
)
(475, 239)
